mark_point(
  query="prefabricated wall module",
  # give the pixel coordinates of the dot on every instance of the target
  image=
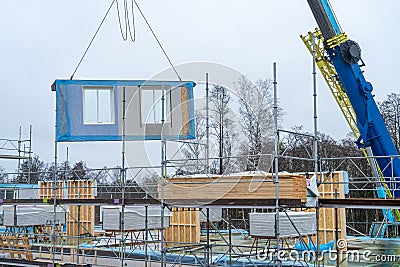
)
(91, 110)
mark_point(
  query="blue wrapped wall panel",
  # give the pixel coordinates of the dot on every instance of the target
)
(71, 126)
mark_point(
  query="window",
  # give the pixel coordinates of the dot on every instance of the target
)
(151, 105)
(98, 105)
(7, 194)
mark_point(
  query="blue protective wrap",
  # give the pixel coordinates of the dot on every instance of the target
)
(346, 182)
(69, 117)
(386, 212)
(191, 122)
(78, 131)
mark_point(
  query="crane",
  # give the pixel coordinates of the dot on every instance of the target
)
(340, 62)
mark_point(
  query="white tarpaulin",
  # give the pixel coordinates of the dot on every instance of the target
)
(134, 218)
(18, 215)
(263, 224)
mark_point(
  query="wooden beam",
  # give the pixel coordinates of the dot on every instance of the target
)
(360, 203)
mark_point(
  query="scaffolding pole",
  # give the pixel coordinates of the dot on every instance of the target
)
(276, 159)
(123, 178)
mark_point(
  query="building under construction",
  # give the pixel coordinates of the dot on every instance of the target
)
(180, 212)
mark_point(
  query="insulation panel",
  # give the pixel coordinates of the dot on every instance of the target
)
(31, 215)
(263, 224)
(134, 218)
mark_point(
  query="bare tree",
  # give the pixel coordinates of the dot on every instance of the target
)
(194, 150)
(222, 126)
(390, 110)
(79, 170)
(298, 147)
(3, 175)
(222, 133)
(256, 116)
(149, 183)
(32, 170)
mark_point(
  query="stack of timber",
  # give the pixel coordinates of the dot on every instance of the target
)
(81, 218)
(184, 227)
(236, 186)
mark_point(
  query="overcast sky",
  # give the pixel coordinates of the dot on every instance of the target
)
(44, 40)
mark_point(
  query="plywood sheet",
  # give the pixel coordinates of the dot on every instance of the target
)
(185, 112)
(184, 227)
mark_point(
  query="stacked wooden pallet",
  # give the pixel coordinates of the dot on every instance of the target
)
(46, 190)
(17, 246)
(81, 218)
(237, 186)
(332, 187)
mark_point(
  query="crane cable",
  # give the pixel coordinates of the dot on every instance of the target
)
(125, 36)
(91, 41)
(127, 24)
(158, 41)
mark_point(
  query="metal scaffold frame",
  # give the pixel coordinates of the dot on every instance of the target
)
(182, 249)
(19, 149)
(124, 190)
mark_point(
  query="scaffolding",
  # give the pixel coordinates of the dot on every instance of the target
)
(19, 149)
(220, 238)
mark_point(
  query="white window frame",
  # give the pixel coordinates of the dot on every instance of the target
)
(97, 89)
(168, 104)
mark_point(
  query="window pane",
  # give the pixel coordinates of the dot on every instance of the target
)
(10, 194)
(104, 106)
(98, 105)
(157, 105)
(147, 104)
(90, 106)
(167, 108)
(2, 194)
(152, 105)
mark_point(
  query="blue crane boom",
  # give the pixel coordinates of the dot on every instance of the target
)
(346, 57)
